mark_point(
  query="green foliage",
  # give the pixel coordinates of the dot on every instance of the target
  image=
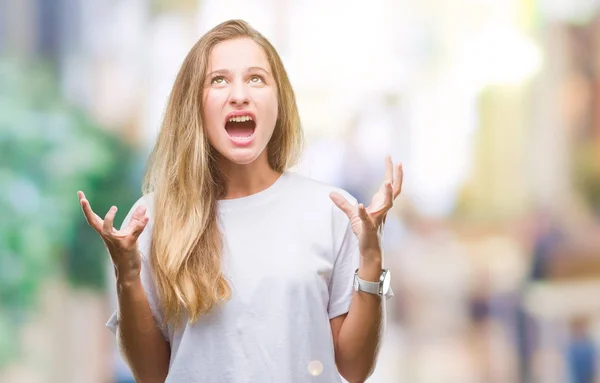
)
(48, 151)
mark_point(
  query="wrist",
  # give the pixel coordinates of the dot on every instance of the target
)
(130, 291)
(370, 268)
(128, 280)
(127, 271)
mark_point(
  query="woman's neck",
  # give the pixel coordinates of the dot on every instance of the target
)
(244, 180)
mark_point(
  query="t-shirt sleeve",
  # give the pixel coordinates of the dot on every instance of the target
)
(145, 274)
(346, 262)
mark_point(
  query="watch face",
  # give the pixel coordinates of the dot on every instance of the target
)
(355, 284)
(385, 284)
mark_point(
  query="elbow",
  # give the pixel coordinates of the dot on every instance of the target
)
(356, 364)
(149, 376)
(357, 373)
(356, 378)
(151, 380)
(146, 367)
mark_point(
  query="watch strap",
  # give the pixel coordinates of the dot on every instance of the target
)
(367, 286)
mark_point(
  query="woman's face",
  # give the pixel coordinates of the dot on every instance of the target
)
(239, 100)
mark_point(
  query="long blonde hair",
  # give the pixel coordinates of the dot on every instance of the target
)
(186, 246)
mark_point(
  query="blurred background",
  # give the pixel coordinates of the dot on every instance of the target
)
(493, 107)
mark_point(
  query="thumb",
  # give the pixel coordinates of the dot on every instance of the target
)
(342, 203)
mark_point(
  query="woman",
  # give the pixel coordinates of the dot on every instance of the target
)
(243, 271)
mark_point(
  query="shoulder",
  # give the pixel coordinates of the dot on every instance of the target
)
(309, 188)
(312, 198)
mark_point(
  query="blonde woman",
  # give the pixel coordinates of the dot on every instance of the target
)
(231, 268)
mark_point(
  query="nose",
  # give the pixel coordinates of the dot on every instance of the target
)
(239, 94)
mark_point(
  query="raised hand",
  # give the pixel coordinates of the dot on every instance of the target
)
(367, 223)
(121, 244)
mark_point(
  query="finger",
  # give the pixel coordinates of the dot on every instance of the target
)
(139, 227)
(388, 201)
(92, 218)
(362, 213)
(389, 196)
(398, 181)
(139, 212)
(107, 227)
(389, 169)
(381, 207)
(342, 203)
(365, 217)
(138, 215)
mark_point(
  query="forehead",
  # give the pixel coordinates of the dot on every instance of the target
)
(237, 55)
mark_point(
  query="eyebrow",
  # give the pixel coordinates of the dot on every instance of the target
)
(250, 69)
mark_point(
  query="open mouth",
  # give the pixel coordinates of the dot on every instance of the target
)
(240, 127)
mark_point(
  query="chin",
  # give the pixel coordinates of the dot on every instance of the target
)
(243, 156)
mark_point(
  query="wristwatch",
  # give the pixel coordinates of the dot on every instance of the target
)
(380, 288)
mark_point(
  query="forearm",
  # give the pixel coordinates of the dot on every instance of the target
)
(360, 334)
(140, 340)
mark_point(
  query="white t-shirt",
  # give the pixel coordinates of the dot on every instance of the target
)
(290, 257)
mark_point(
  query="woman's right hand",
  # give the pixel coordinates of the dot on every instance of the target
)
(121, 244)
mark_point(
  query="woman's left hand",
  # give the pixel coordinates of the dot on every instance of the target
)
(367, 223)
